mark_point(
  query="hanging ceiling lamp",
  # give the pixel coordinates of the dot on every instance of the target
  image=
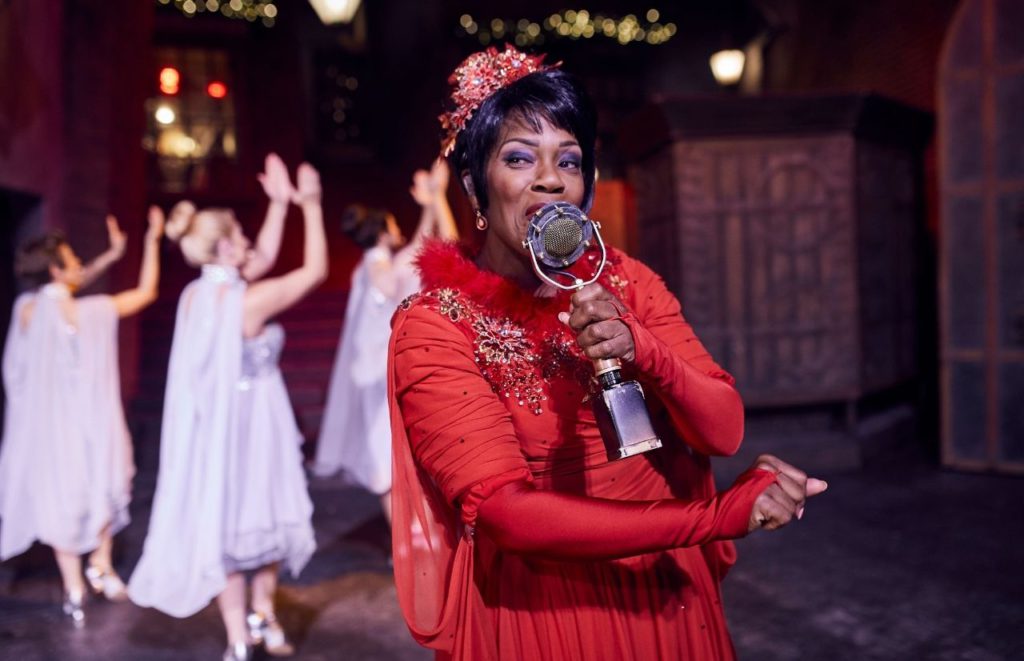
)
(335, 11)
(727, 66)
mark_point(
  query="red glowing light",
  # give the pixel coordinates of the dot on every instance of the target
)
(170, 80)
(217, 89)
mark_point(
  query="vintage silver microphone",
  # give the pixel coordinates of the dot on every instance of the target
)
(558, 235)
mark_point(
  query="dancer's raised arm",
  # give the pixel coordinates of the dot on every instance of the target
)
(444, 221)
(268, 297)
(134, 300)
(278, 187)
(424, 196)
(99, 265)
(430, 190)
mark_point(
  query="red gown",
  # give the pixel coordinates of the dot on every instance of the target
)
(490, 401)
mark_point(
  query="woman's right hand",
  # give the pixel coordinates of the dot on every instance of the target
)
(275, 181)
(786, 498)
(156, 222)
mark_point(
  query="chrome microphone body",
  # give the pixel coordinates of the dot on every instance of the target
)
(558, 235)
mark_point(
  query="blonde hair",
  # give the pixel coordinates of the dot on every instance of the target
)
(197, 232)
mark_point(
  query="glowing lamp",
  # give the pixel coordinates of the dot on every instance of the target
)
(727, 66)
(170, 80)
(217, 89)
(165, 115)
(335, 11)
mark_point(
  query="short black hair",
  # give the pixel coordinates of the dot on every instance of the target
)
(363, 225)
(552, 95)
(34, 258)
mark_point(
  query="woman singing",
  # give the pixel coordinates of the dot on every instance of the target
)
(514, 535)
(231, 493)
(66, 463)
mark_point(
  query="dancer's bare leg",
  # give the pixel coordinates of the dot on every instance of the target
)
(70, 565)
(101, 557)
(100, 572)
(231, 602)
(264, 585)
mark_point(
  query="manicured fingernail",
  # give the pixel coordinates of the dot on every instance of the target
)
(800, 513)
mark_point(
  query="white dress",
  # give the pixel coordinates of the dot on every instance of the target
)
(66, 456)
(231, 493)
(355, 436)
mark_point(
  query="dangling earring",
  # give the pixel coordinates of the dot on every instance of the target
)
(481, 221)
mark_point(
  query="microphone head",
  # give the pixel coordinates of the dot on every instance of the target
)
(558, 235)
(561, 237)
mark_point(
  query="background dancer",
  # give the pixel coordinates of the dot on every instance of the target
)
(66, 462)
(231, 493)
(356, 432)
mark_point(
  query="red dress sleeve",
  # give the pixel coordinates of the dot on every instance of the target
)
(461, 435)
(581, 528)
(705, 408)
(459, 432)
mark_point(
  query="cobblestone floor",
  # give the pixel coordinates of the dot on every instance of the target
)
(895, 562)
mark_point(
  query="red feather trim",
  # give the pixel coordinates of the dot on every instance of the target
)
(445, 264)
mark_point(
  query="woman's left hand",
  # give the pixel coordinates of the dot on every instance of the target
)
(421, 188)
(307, 189)
(593, 314)
(118, 239)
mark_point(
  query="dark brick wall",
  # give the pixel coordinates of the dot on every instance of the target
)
(887, 46)
(30, 96)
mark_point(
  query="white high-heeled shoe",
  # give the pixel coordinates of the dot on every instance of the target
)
(238, 652)
(265, 629)
(72, 607)
(106, 582)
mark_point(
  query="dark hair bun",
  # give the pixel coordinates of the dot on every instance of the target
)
(363, 225)
(179, 221)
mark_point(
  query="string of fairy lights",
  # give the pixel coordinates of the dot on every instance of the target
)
(571, 24)
(567, 24)
(264, 11)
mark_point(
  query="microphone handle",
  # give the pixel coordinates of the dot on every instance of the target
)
(608, 371)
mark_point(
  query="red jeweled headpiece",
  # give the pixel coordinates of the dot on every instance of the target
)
(479, 76)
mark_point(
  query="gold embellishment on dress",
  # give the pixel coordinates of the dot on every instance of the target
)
(408, 300)
(563, 355)
(449, 304)
(507, 359)
(500, 341)
(506, 353)
(618, 282)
